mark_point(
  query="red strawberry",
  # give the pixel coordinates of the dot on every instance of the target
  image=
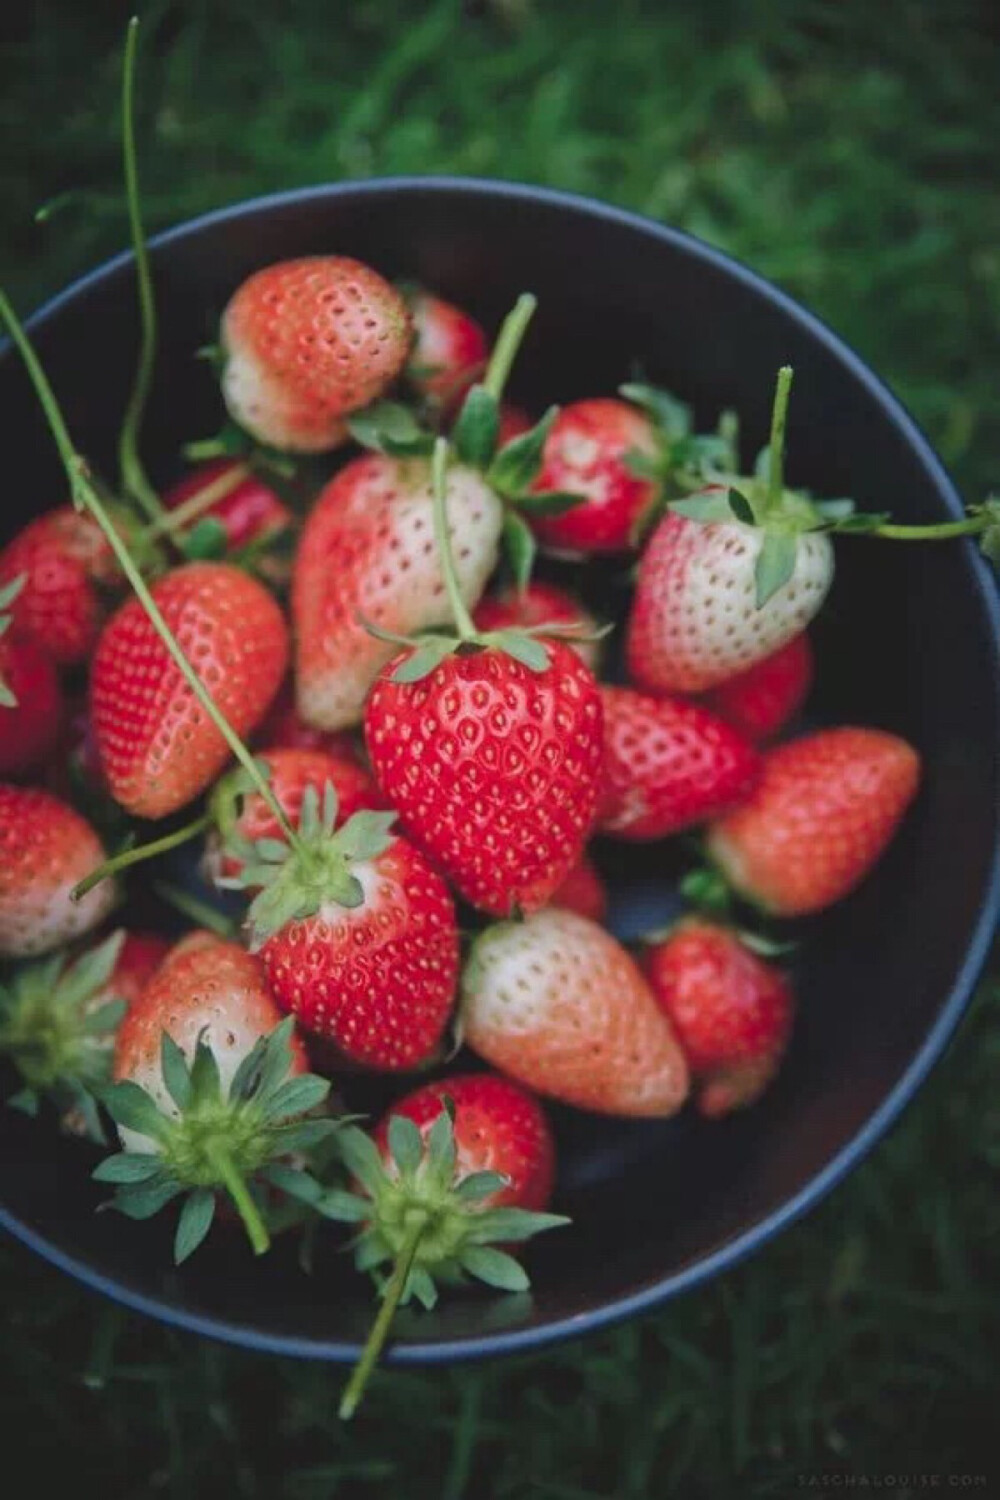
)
(32, 708)
(540, 604)
(140, 956)
(64, 558)
(760, 701)
(668, 765)
(305, 343)
(157, 746)
(586, 454)
(449, 350)
(731, 1011)
(493, 766)
(558, 1004)
(367, 553)
(210, 1089)
(822, 814)
(583, 892)
(285, 729)
(514, 422)
(247, 508)
(46, 849)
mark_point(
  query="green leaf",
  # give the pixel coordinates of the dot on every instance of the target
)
(519, 547)
(207, 541)
(405, 1143)
(706, 508)
(127, 1167)
(174, 1068)
(131, 1107)
(422, 662)
(296, 1096)
(775, 565)
(548, 502)
(495, 1268)
(516, 466)
(741, 507)
(362, 1159)
(194, 1223)
(145, 1199)
(206, 1085)
(474, 434)
(479, 1185)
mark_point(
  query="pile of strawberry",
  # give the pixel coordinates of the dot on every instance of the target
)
(434, 746)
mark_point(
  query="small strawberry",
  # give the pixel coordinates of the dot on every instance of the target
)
(46, 849)
(210, 1089)
(668, 765)
(304, 343)
(139, 957)
(729, 576)
(556, 1003)
(760, 701)
(541, 604)
(514, 422)
(367, 555)
(583, 892)
(63, 560)
(31, 701)
(229, 494)
(821, 816)
(731, 1011)
(449, 350)
(283, 728)
(587, 453)
(455, 1169)
(157, 746)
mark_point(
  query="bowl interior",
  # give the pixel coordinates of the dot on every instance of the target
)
(908, 642)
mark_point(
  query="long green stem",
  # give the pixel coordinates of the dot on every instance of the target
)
(942, 531)
(139, 856)
(776, 448)
(242, 1198)
(508, 342)
(85, 497)
(355, 1389)
(133, 474)
(439, 473)
(175, 520)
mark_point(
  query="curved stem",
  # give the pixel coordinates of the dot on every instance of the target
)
(776, 447)
(242, 1198)
(439, 473)
(942, 531)
(508, 342)
(85, 497)
(202, 449)
(355, 1388)
(133, 474)
(175, 520)
(138, 856)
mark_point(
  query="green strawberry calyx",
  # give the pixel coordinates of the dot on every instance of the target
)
(57, 1025)
(210, 1141)
(7, 596)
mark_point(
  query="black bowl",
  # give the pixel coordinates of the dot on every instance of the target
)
(909, 641)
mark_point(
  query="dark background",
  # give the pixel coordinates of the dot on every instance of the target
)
(849, 152)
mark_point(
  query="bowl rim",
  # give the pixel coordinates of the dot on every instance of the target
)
(760, 1232)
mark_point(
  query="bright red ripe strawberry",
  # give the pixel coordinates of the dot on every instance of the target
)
(494, 768)
(731, 1011)
(305, 343)
(760, 701)
(557, 1004)
(32, 709)
(46, 849)
(247, 508)
(367, 554)
(285, 729)
(64, 558)
(668, 765)
(583, 892)
(822, 814)
(514, 422)
(210, 1091)
(540, 604)
(585, 454)
(449, 350)
(157, 746)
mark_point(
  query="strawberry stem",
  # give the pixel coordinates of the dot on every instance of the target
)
(85, 497)
(941, 532)
(239, 1192)
(133, 475)
(175, 520)
(439, 472)
(355, 1388)
(138, 856)
(509, 339)
(776, 447)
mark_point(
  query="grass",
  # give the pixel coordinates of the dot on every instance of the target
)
(848, 151)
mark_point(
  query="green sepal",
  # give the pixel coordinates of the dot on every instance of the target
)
(193, 1224)
(296, 1096)
(142, 1200)
(207, 541)
(515, 468)
(474, 435)
(206, 1083)
(133, 1109)
(643, 465)
(527, 649)
(10, 591)
(176, 1075)
(540, 503)
(424, 659)
(390, 427)
(672, 417)
(405, 1143)
(478, 1184)
(775, 564)
(520, 547)
(741, 507)
(495, 1267)
(106, 1019)
(708, 508)
(361, 1158)
(509, 1225)
(344, 1208)
(127, 1167)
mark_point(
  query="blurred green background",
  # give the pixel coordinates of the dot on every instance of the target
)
(848, 151)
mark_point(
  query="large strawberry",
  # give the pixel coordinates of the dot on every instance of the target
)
(668, 765)
(456, 1169)
(307, 341)
(211, 1086)
(63, 560)
(760, 701)
(821, 816)
(541, 604)
(31, 700)
(558, 1004)
(367, 556)
(449, 350)
(157, 746)
(730, 1009)
(46, 849)
(729, 576)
